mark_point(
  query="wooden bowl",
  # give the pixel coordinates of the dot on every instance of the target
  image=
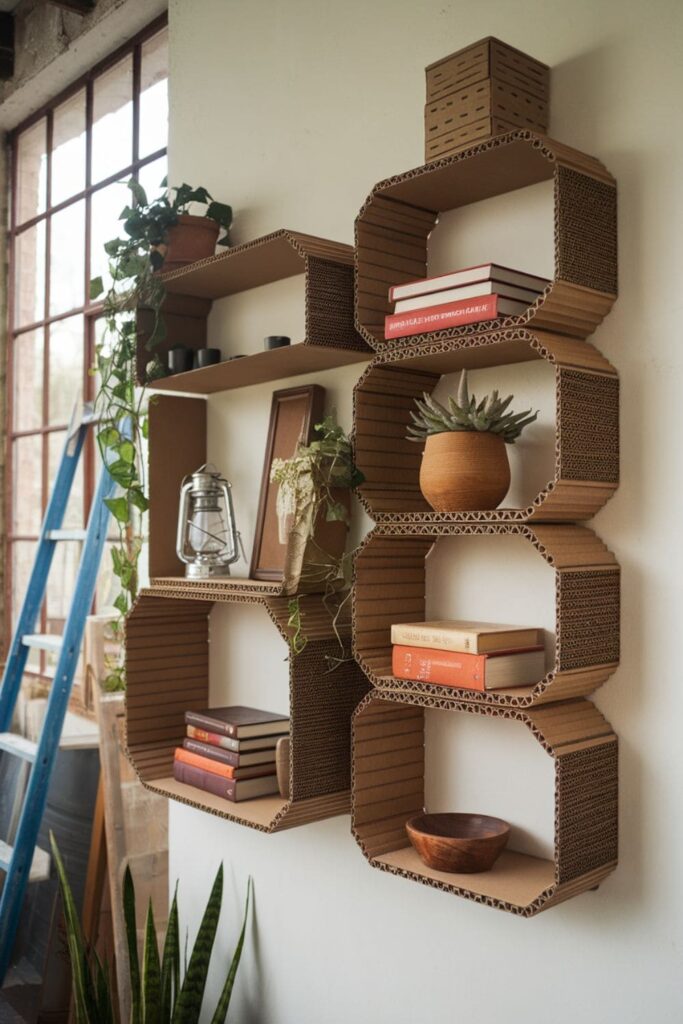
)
(465, 843)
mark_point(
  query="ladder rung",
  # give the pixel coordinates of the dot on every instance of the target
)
(65, 535)
(40, 866)
(43, 641)
(18, 745)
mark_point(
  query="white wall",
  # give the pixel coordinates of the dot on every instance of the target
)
(291, 111)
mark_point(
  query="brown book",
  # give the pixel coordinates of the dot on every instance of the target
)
(239, 722)
(225, 770)
(229, 789)
(465, 637)
(238, 746)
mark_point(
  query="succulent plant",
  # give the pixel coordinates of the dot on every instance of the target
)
(466, 413)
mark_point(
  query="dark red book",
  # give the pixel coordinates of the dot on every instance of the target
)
(231, 757)
(450, 314)
(239, 722)
(229, 789)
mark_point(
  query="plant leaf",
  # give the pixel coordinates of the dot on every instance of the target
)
(170, 963)
(84, 1000)
(224, 1001)
(151, 973)
(96, 287)
(138, 191)
(118, 508)
(132, 937)
(189, 1002)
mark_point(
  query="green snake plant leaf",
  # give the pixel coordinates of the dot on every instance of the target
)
(132, 938)
(83, 993)
(463, 395)
(170, 963)
(103, 990)
(224, 1002)
(189, 1002)
(151, 973)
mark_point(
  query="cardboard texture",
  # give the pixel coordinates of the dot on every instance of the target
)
(330, 339)
(390, 587)
(586, 427)
(386, 793)
(393, 227)
(484, 90)
(167, 669)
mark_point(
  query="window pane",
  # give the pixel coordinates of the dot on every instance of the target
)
(151, 176)
(154, 95)
(29, 275)
(61, 584)
(67, 259)
(31, 171)
(68, 149)
(27, 512)
(112, 134)
(65, 374)
(23, 554)
(27, 373)
(73, 519)
(106, 205)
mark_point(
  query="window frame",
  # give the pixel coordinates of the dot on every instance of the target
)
(90, 310)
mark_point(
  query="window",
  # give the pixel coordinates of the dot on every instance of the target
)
(70, 163)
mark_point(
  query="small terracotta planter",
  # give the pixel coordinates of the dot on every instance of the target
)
(464, 470)
(192, 239)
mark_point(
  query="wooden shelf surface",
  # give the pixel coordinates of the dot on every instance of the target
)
(515, 878)
(258, 813)
(276, 364)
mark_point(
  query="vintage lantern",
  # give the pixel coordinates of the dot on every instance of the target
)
(207, 541)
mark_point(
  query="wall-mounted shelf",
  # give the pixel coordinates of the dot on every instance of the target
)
(393, 228)
(330, 333)
(388, 789)
(259, 368)
(390, 587)
(586, 427)
(167, 672)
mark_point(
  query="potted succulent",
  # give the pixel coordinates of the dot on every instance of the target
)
(465, 464)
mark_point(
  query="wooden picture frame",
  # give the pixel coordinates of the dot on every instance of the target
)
(293, 415)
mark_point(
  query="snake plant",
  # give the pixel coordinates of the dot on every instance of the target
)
(157, 994)
(465, 412)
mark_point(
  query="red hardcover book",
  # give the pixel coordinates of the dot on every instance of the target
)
(229, 789)
(227, 771)
(450, 314)
(495, 671)
(232, 757)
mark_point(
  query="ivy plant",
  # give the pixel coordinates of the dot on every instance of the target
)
(135, 285)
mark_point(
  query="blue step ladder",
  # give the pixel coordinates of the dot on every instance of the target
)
(22, 861)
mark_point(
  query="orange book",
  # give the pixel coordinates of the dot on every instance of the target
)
(226, 771)
(470, 671)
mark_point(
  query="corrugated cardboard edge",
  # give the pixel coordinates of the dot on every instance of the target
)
(390, 587)
(583, 855)
(585, 278)
(586, 428)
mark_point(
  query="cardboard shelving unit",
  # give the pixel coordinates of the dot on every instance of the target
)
(391, 587)
(167, 671)
(388, 789)
(393, 228)
(392, 232)
(586, 427)
(330, 336)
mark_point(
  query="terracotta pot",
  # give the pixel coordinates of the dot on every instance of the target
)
(192, 239)
(464, 470)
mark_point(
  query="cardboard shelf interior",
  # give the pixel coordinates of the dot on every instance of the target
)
(515, 878)
(260, 812)
(276, 364)
(208, 588)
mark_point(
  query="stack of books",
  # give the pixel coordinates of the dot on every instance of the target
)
(472, 655)
(230, 751)
(461, 297)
